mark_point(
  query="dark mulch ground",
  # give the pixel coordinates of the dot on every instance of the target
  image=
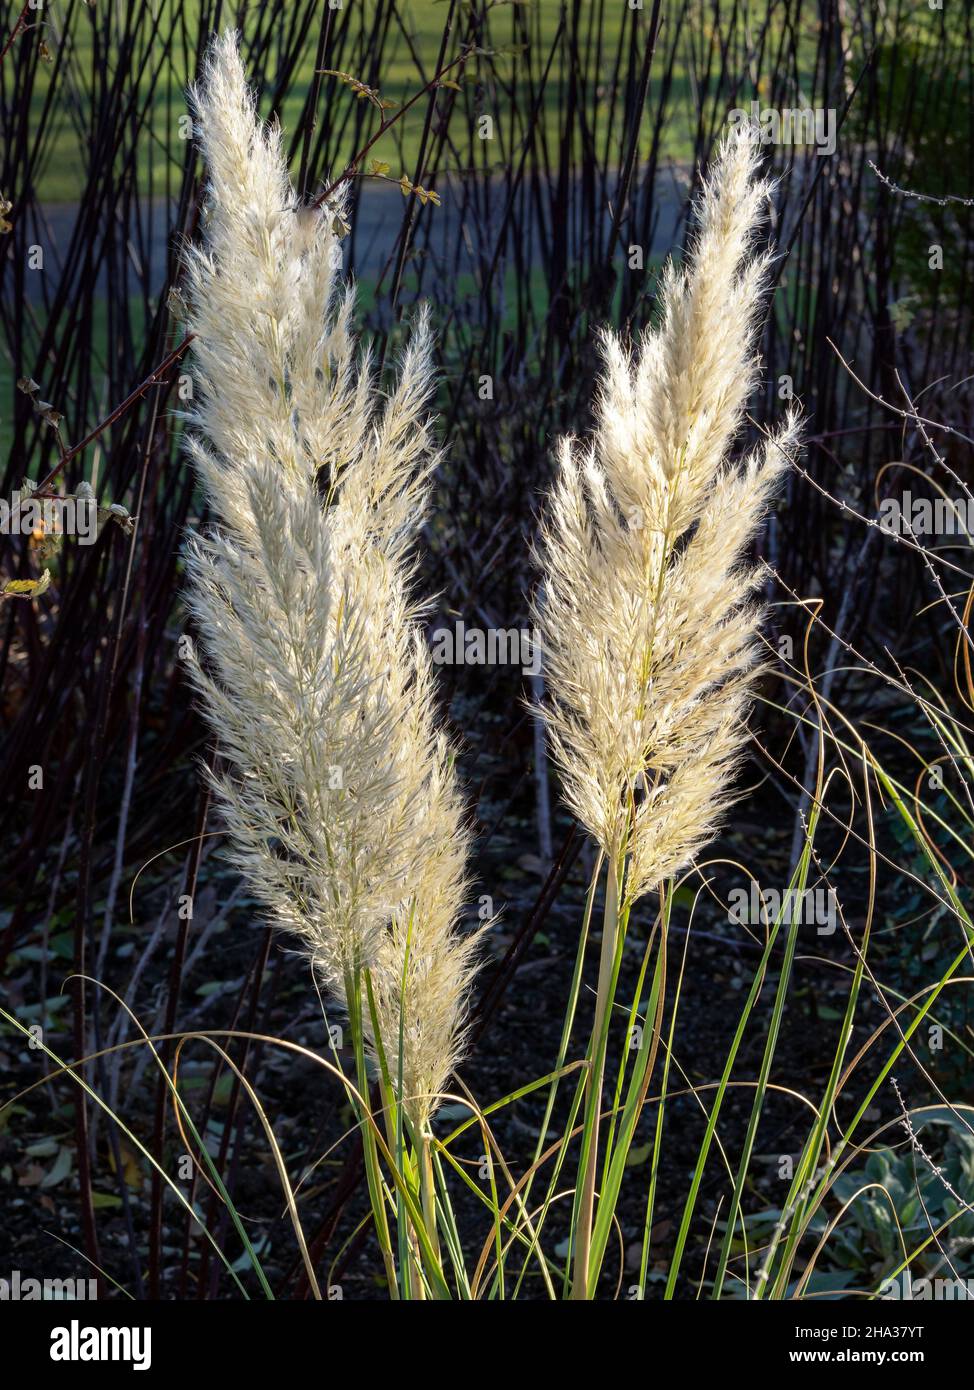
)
(519, 1041)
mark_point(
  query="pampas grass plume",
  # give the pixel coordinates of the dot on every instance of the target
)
(646, 621)
(339, 796)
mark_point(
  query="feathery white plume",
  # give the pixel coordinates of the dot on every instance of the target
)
(645, 623)
(340, 799)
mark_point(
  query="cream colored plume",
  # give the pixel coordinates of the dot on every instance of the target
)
(645, 622)
(339, 798)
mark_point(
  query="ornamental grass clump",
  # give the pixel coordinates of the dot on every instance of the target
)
(646, 621)
(336, 784)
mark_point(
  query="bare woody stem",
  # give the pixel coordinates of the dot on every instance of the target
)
(18, 27)
(117, 413)
(352, 169)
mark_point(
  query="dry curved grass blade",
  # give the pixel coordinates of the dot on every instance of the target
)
(274, 1146)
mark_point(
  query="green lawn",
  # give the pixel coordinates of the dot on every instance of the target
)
(64, 171)
(68, 34)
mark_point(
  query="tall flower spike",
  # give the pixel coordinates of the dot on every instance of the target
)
(340, 799)
(645, 620)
